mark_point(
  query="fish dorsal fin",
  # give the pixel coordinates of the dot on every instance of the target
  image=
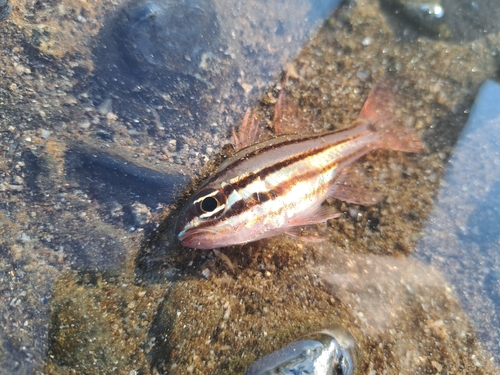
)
(349, 187)
(249, 132)
(287, 118)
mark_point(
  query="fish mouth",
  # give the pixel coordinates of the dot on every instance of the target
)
(197, 238)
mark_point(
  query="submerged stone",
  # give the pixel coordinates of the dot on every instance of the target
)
(191, 64)
(427, 15)
(163, 53)
(457, 21)
(113, 179)
(165, 40)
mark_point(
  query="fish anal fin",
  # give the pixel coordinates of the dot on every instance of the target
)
(349, 187)
(379, 113)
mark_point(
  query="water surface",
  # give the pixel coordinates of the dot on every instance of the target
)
(95, 154)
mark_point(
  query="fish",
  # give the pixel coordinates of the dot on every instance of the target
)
(279, 185)
(330, 351)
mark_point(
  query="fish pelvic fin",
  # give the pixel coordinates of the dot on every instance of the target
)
(378, 113)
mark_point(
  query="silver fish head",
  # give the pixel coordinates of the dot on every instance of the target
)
(332, 351)
(201, 223)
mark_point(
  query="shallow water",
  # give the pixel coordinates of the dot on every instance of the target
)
(97, 148)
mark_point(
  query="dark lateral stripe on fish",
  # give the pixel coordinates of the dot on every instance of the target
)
(281, 189)
(243, 204)
(267, 171)
(262, 197)
(247, 204)
(258, 151)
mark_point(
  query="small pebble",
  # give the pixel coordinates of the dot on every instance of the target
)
(172, 145)
(44, 133)
(205, 273)
(16, 187)
(141, 213)
(362, 75)
(366, 41)
(85, 124)
(105, 107)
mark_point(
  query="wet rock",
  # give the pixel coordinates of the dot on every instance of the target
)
(33, 166)
(492, 286)
(112, 179)
(456, 20)
(192, 64)
(482, 226)
(427, 15)
(170, 40)
(167, 54)
(5, 10)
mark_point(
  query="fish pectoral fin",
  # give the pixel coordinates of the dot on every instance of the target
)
(349, 187)
(305, 227)
(316, 216)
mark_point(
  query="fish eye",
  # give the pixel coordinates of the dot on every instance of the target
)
(209, 204)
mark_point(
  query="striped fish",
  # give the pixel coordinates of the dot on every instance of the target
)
(280, 184)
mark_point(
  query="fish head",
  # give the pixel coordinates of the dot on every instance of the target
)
(201, 224)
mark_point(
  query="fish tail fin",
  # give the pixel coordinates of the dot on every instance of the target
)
(379, 111)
